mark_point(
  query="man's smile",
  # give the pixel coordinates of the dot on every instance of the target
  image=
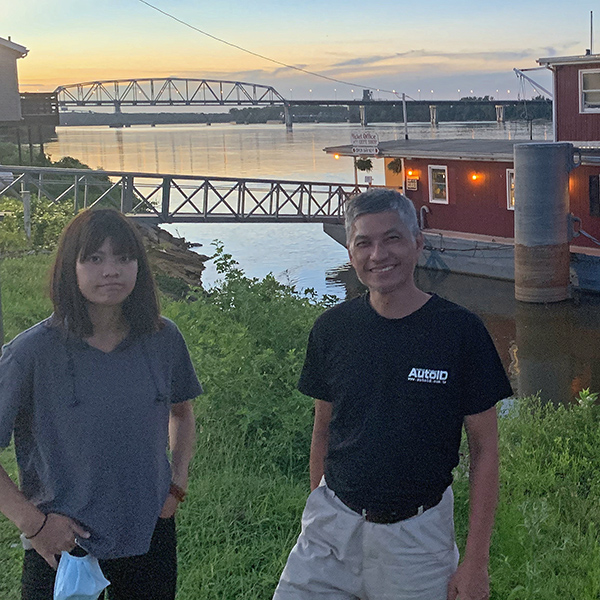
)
(382, 269)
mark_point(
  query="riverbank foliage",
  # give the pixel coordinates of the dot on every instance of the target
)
(249, 479)
(48, 218)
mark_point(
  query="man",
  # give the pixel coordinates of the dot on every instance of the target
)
(395, 374)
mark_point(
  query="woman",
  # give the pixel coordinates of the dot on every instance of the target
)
(94, 395)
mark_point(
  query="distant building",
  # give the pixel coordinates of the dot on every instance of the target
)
(10, 100)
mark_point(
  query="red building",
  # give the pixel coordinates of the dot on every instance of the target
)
(467, 186)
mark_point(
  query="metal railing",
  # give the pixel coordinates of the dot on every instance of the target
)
(169, 198)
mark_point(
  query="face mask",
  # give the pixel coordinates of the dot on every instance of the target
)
(78, 578)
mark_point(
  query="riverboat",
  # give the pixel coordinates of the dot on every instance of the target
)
(464, 190)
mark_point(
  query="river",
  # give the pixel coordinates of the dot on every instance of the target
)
(552, 349)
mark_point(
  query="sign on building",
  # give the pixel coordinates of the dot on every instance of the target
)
(364, 143)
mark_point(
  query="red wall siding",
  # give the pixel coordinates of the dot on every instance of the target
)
(474, 206)
(579, 191)
(480, 206)
(570, 125)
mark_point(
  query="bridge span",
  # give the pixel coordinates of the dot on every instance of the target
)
(170, 198)
(175, 91)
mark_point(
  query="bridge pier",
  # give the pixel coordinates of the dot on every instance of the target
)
(433, 116)
(288, 117)
(363, 115)
(500, 113)
(118, 110)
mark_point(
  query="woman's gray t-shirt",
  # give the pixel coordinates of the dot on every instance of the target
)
(91, 428)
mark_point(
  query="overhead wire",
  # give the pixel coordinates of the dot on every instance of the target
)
(262, 56)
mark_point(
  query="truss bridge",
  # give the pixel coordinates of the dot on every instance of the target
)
(169, 91)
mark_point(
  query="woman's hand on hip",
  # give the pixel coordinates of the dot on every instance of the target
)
(169, 507)
(58, 534)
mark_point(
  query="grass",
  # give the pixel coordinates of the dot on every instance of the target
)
(249, 479)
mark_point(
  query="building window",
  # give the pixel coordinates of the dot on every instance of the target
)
(510, 189)
(438, 184)
(589, 88)
(595, 195)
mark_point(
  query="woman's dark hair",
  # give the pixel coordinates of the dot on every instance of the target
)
(83, 236)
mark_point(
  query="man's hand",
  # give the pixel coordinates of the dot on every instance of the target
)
(56, 535)
(470, 582)
(169, 507)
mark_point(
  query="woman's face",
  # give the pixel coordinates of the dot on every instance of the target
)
(105, 278)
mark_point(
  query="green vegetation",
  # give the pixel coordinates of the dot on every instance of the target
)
(364, 164)
(249, 480)
(47, 221)
(47, 218)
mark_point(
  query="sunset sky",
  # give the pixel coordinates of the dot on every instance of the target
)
(392, 45)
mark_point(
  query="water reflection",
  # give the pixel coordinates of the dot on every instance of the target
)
(550, 349)
(267, 151)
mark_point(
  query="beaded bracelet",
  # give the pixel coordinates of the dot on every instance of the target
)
(30, 537)
(177, 492)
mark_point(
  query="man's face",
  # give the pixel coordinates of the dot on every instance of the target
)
(383, 252)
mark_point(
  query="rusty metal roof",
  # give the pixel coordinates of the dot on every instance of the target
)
(456, 149)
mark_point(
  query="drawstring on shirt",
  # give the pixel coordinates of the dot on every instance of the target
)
(160, 398)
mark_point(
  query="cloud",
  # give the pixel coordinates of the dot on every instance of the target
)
(364, 61)
(413, 55)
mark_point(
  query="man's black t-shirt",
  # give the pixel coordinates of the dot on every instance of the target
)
(400, 389)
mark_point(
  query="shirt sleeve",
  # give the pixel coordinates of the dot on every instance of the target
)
(15, 390)
(485, 381)
(184, 382)
(312, 379)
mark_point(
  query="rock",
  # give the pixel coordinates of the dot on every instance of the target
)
(171, 256)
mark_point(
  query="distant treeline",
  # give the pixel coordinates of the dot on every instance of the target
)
(467, 109)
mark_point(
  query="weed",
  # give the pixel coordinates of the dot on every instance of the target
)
(249, 479)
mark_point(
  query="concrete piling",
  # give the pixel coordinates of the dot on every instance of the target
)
(542, 257)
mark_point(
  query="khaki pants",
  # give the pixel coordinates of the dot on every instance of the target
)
(341, 556)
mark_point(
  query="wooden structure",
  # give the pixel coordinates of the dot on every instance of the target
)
(10, 102)
(576, 82)
(467, 186)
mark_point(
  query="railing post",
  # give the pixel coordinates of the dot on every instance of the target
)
(241, 196)
(76, 195)
(1, 323)
(26, 195)
(127, 194)
(85, 192)
(166, 199)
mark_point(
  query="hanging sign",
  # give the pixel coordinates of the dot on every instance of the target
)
(364, 143)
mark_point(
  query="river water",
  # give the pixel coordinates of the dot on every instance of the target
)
(552, 349)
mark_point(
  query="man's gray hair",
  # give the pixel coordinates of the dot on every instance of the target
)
(380, 200)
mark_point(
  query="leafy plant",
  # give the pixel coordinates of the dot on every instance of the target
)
(47, 222)
(587, 399)
(395, 166)
(364, 164)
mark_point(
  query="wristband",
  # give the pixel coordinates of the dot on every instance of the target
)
(30, 537)
(177, 492)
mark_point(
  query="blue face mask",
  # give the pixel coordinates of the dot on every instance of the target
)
(78, 578)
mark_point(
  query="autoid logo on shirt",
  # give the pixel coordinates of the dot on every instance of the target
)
(427, 375)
